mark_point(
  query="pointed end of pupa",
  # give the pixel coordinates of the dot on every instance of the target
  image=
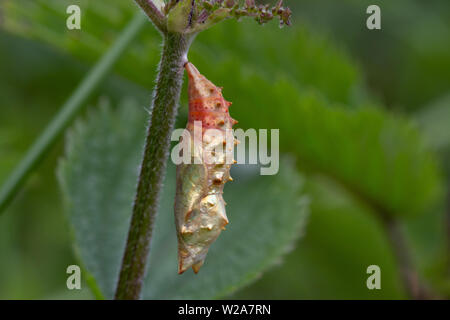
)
(199, 86)
(186, 263)
(196, 267)
(182, 265)
(191, 70)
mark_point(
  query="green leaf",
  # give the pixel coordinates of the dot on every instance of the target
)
(308, 58)
(330, 261)
(101, 23)
(381, 158)
(434, 121)
(98, 180)
(178, 18)
(73, 105)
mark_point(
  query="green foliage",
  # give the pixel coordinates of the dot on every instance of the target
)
(101, 23)
(435, 122)
(210, 12)
(98, 179)
(35, 245)
(35, 248)
(297, 81)
(342, 239)
(331, 142)
(69, 110)
(379, 157)
(406, 64)
(308, 59)
(178, 17)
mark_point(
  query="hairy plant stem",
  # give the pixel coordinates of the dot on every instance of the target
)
(153, 167)
(153, 13)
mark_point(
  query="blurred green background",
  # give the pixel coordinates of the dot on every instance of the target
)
(401, 74)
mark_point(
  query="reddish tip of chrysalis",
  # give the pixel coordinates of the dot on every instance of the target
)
(206, 102)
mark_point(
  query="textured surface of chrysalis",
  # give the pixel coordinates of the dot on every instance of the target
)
(199, 206)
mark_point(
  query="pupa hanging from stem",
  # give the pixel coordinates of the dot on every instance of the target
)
(199, 206)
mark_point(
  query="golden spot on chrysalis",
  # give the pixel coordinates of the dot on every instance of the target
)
(185, 231)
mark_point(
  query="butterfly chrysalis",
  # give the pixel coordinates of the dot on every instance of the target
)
(199, 206)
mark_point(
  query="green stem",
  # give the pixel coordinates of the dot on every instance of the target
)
(156, 16)
(68, 111)
(409, 275)
(153, 167)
